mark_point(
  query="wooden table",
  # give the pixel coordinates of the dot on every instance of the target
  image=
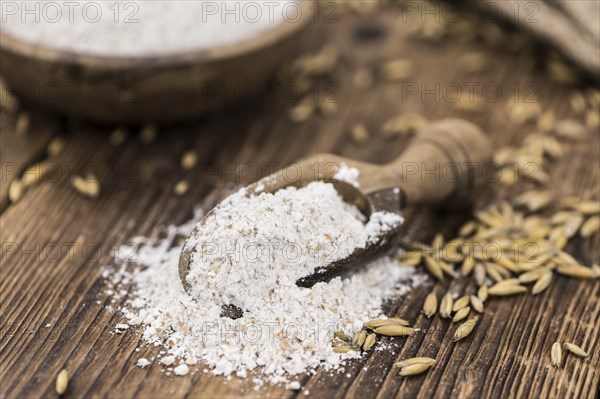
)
(55, 243)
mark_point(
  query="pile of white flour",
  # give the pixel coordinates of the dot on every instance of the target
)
(250, 252)
(143, 27)
(253, 249)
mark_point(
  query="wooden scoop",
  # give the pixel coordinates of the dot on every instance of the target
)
(443, 166)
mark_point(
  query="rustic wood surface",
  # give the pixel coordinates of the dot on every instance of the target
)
(55, 244)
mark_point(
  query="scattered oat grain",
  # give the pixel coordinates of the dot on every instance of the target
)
(149, 133)
(327, 107)
(343, 349)
(590, 227)
(546, 121)
(468, 265)
(506, 288)
(460, 303)
(560, 72)
(16, 190)
(56, 146)
(372, 324)
(556, 354)
(359, 339)
(576, 350)
(118, 136)
(570, 129)
(534, 200)
(578, 103)
(394, 330)
(397, 70)
(181, 188)
(532, 275)
(577, 271)
(359, 134)
(479, 274)
(343, 336)
(62, 382)
(472, 104)
(461, 314)
(414, 360)
(482, 293)
(467, 229)
(409, 258)
(369, 342)
(434, 267)
(477, 303)
(465, 328)
(88, 186)
(189, 160)
(301, 112)
(446, 305)
(523, 112)
(592, 120)
(36, 173)
(415, 369)
(430, 305)
(23, 122)
(472, 63)
(403, 125)
(587, 207)
(543, 283)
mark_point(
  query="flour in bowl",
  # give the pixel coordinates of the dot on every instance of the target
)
(143, 27)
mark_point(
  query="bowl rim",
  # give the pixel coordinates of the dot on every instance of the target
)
(264, 39)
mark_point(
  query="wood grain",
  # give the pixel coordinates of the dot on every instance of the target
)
(17, 152)
(54, 312)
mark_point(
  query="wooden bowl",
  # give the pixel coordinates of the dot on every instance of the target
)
(147, 88)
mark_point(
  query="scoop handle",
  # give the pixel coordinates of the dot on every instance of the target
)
(445, 165)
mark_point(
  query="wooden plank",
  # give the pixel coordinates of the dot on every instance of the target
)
(19, 150)
(56, 243)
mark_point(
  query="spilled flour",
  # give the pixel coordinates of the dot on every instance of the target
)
(249, 253)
